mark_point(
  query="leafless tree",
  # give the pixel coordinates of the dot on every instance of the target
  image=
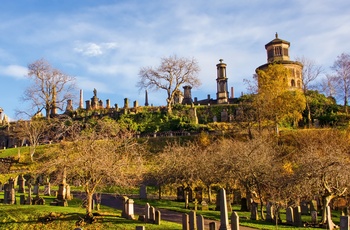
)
(172, 73)
(341, 78)
(49, 90)
(311, 71)
(103, 154)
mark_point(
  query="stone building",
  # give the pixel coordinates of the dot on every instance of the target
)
(278, 52)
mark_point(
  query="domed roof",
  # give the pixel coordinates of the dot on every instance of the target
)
(277, 41)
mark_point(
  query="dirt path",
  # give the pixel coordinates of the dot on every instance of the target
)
(168, 215)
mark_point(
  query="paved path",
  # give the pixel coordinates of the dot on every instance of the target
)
(168, 215)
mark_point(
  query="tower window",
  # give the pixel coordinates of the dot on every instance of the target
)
(278, 51)
(292, 83)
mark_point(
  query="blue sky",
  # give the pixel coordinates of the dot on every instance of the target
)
(105, 43)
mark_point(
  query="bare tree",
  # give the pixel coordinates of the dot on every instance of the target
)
(341, 78)
(311, 71)
(172, 73)
(49, 90)
(33, 131)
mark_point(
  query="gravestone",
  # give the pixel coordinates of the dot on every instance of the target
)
(213, 226)
(297, 216)
(289, 216)
(68, 195)
(344, 223)
(254, 211)
(124, 206)
(157, 217)
(29, 198)
(140, 228)
(215, 119)
(313, 205)
(199, 194)
(6, 193)
(61, 194)
(193, 220)
(204, 206)
(185, 222)
(313, 217)
(47, 189)
(200, 222)
(244, 206)
(224, 224)
(22, 199)
(180, 194)
(36, 189)
(21, 184)
(269, 212)
(304, 205)
(143, 192)
(224, 116)
(130, 209)
(11, 197)
(152, 214)
(147, 212)
(234, 221)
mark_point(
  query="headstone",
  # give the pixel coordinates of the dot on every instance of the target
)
(224, 224)
(193, 220)
(224, 116)
(304, 208)
(152, 214)
(29, 198)
(204, 206)
(157, 217)
(254, 211)
(200, 222)
(199, 194)
(213, 226)
(180, 194)
(68, 195)
(344, 222)
(269, 211)
(289, 216)
(124, 206)
(143, 192)
(140, 228)
(297, 216)
(47, 189)
(147, 212)
(130, 209)
(215, 119)
(6, 193)
(22, 199)
(313, 217)
(21, 184)
(36, 189)
(234, 221)
(185, 222)
(61, 194)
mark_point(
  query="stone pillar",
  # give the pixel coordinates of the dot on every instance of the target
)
(81, 101)
(224, 224)
(136, 104)
(126, 103)
(69, 105)
(29, 198)
(234, 221)
(88, 104)
(108, 104)
(187, 95)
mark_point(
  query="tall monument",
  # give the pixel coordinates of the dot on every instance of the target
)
(221, 81)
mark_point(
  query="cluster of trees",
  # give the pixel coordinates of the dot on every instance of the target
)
(298, 165)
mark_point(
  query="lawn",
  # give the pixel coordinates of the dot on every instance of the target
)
(34, 217)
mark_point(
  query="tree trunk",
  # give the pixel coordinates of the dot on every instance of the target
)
(89, 198)
(159, 192)
(209, 194)
(325, 202)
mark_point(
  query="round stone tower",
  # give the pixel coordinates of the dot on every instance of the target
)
(278, 52)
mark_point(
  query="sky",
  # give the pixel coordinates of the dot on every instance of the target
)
(104, 43)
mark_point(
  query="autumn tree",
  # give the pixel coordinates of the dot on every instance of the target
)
(311, 71)
(103, 154)
(274, 101)
(170, 75)
(322, 165)
(340, 80)
(49, 90)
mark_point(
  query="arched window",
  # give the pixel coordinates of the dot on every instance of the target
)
(292, 83)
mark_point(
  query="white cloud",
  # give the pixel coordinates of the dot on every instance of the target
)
(14, 71)
(91, 49)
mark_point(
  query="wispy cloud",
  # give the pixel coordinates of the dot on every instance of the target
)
(92, 49)
(15, 71)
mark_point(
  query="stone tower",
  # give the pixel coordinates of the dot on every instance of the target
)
(221, 80)
(278, 52)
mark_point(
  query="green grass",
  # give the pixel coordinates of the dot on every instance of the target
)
(28, 217)
(244, 216)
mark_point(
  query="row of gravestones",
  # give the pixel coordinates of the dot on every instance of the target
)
(293, 215)
(63, 193)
